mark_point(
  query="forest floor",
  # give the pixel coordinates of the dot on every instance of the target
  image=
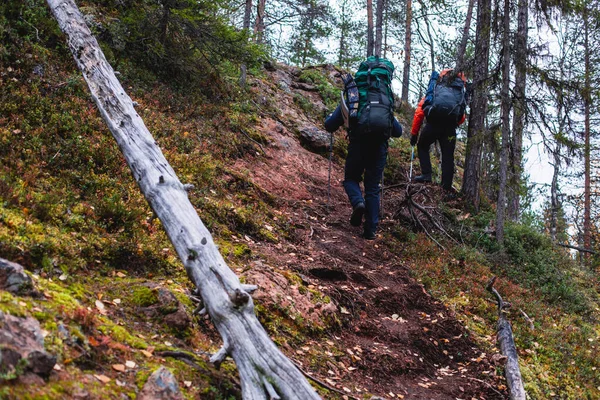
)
(396, 339)
(395, 317)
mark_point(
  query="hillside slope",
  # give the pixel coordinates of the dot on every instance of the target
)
(355, 315)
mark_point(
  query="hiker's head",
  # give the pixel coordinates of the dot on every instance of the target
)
(446, 71)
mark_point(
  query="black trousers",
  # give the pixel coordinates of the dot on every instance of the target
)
(447, 139)
(368, 158)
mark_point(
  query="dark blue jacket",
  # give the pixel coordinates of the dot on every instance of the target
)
(336, 119)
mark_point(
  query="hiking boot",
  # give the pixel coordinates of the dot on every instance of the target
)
(423, 178)
(357, 214)
(367, 235)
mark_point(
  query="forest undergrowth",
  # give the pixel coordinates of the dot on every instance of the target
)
(71, 213)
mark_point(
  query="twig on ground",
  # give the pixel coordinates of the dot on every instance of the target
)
(187, 358)
(259, 145)
(433, 221)
(488, 385)
(321, 383)
(531, 325)
(394, 186)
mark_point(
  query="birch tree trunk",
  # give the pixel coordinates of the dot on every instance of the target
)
(505, 117)
(379, 27)
(587, 205)
(246, 27)
(476, 133)
(407, 52)
(265, 373)
(520, 57)
(370, 41)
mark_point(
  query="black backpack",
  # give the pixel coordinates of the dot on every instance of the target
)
(446, 101)
(374, 115)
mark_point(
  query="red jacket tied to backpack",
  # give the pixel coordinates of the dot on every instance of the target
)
(420, 112)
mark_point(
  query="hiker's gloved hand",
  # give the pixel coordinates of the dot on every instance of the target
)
(413, 140)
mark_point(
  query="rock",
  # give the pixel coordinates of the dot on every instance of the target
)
(14, 279)
(21, 339)
(283, 85)
(31, 379)
(161, 385)
(314, 138)
(39, 70)
(169, 310)
(270, 65)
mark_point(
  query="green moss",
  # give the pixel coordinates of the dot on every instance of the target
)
(144, 296)
(10, 305)
(121, 335)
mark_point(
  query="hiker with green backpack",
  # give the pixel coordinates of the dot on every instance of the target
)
(443, 108)
(367, 111)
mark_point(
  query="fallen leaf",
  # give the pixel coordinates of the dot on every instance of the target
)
(187, 383)
(57, 367)
(147, 353)
(168, 344)
(118, 367)
(117, 301)
(343, 310)
(102, 378)
(100, 307)
(130, 364)
(63, 277)
(119, 383)
(121, 275)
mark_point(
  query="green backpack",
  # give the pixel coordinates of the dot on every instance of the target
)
(376, 103)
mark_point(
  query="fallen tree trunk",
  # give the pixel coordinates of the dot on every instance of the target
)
(508, 349)
(265, 373)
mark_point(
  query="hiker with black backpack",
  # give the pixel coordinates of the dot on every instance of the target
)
(367, 111)
(443, 108)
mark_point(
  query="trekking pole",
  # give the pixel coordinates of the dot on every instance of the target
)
(412, 157)
(381, 199)
(329, 174)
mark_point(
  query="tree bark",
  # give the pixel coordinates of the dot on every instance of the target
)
(506, 340)
(379, 27)
(259, 24)
(587, 205)
(265, 373)
(429, 42)
(342, 52)
(460, 56)
(554, 204)
(246, 27)
(520, 58)
(505, 118)
(476, 132)
(370, 41)
(407, 52)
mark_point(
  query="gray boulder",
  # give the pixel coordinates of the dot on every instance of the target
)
(14, 279)
(314, 138)
(22, 346)
(161, 385)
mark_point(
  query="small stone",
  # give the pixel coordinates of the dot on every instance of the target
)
(161, 385)
(14, 279)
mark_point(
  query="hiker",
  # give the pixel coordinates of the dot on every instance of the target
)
(366, 110)
(443, 107)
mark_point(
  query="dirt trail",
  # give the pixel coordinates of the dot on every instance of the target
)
(396, 340)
